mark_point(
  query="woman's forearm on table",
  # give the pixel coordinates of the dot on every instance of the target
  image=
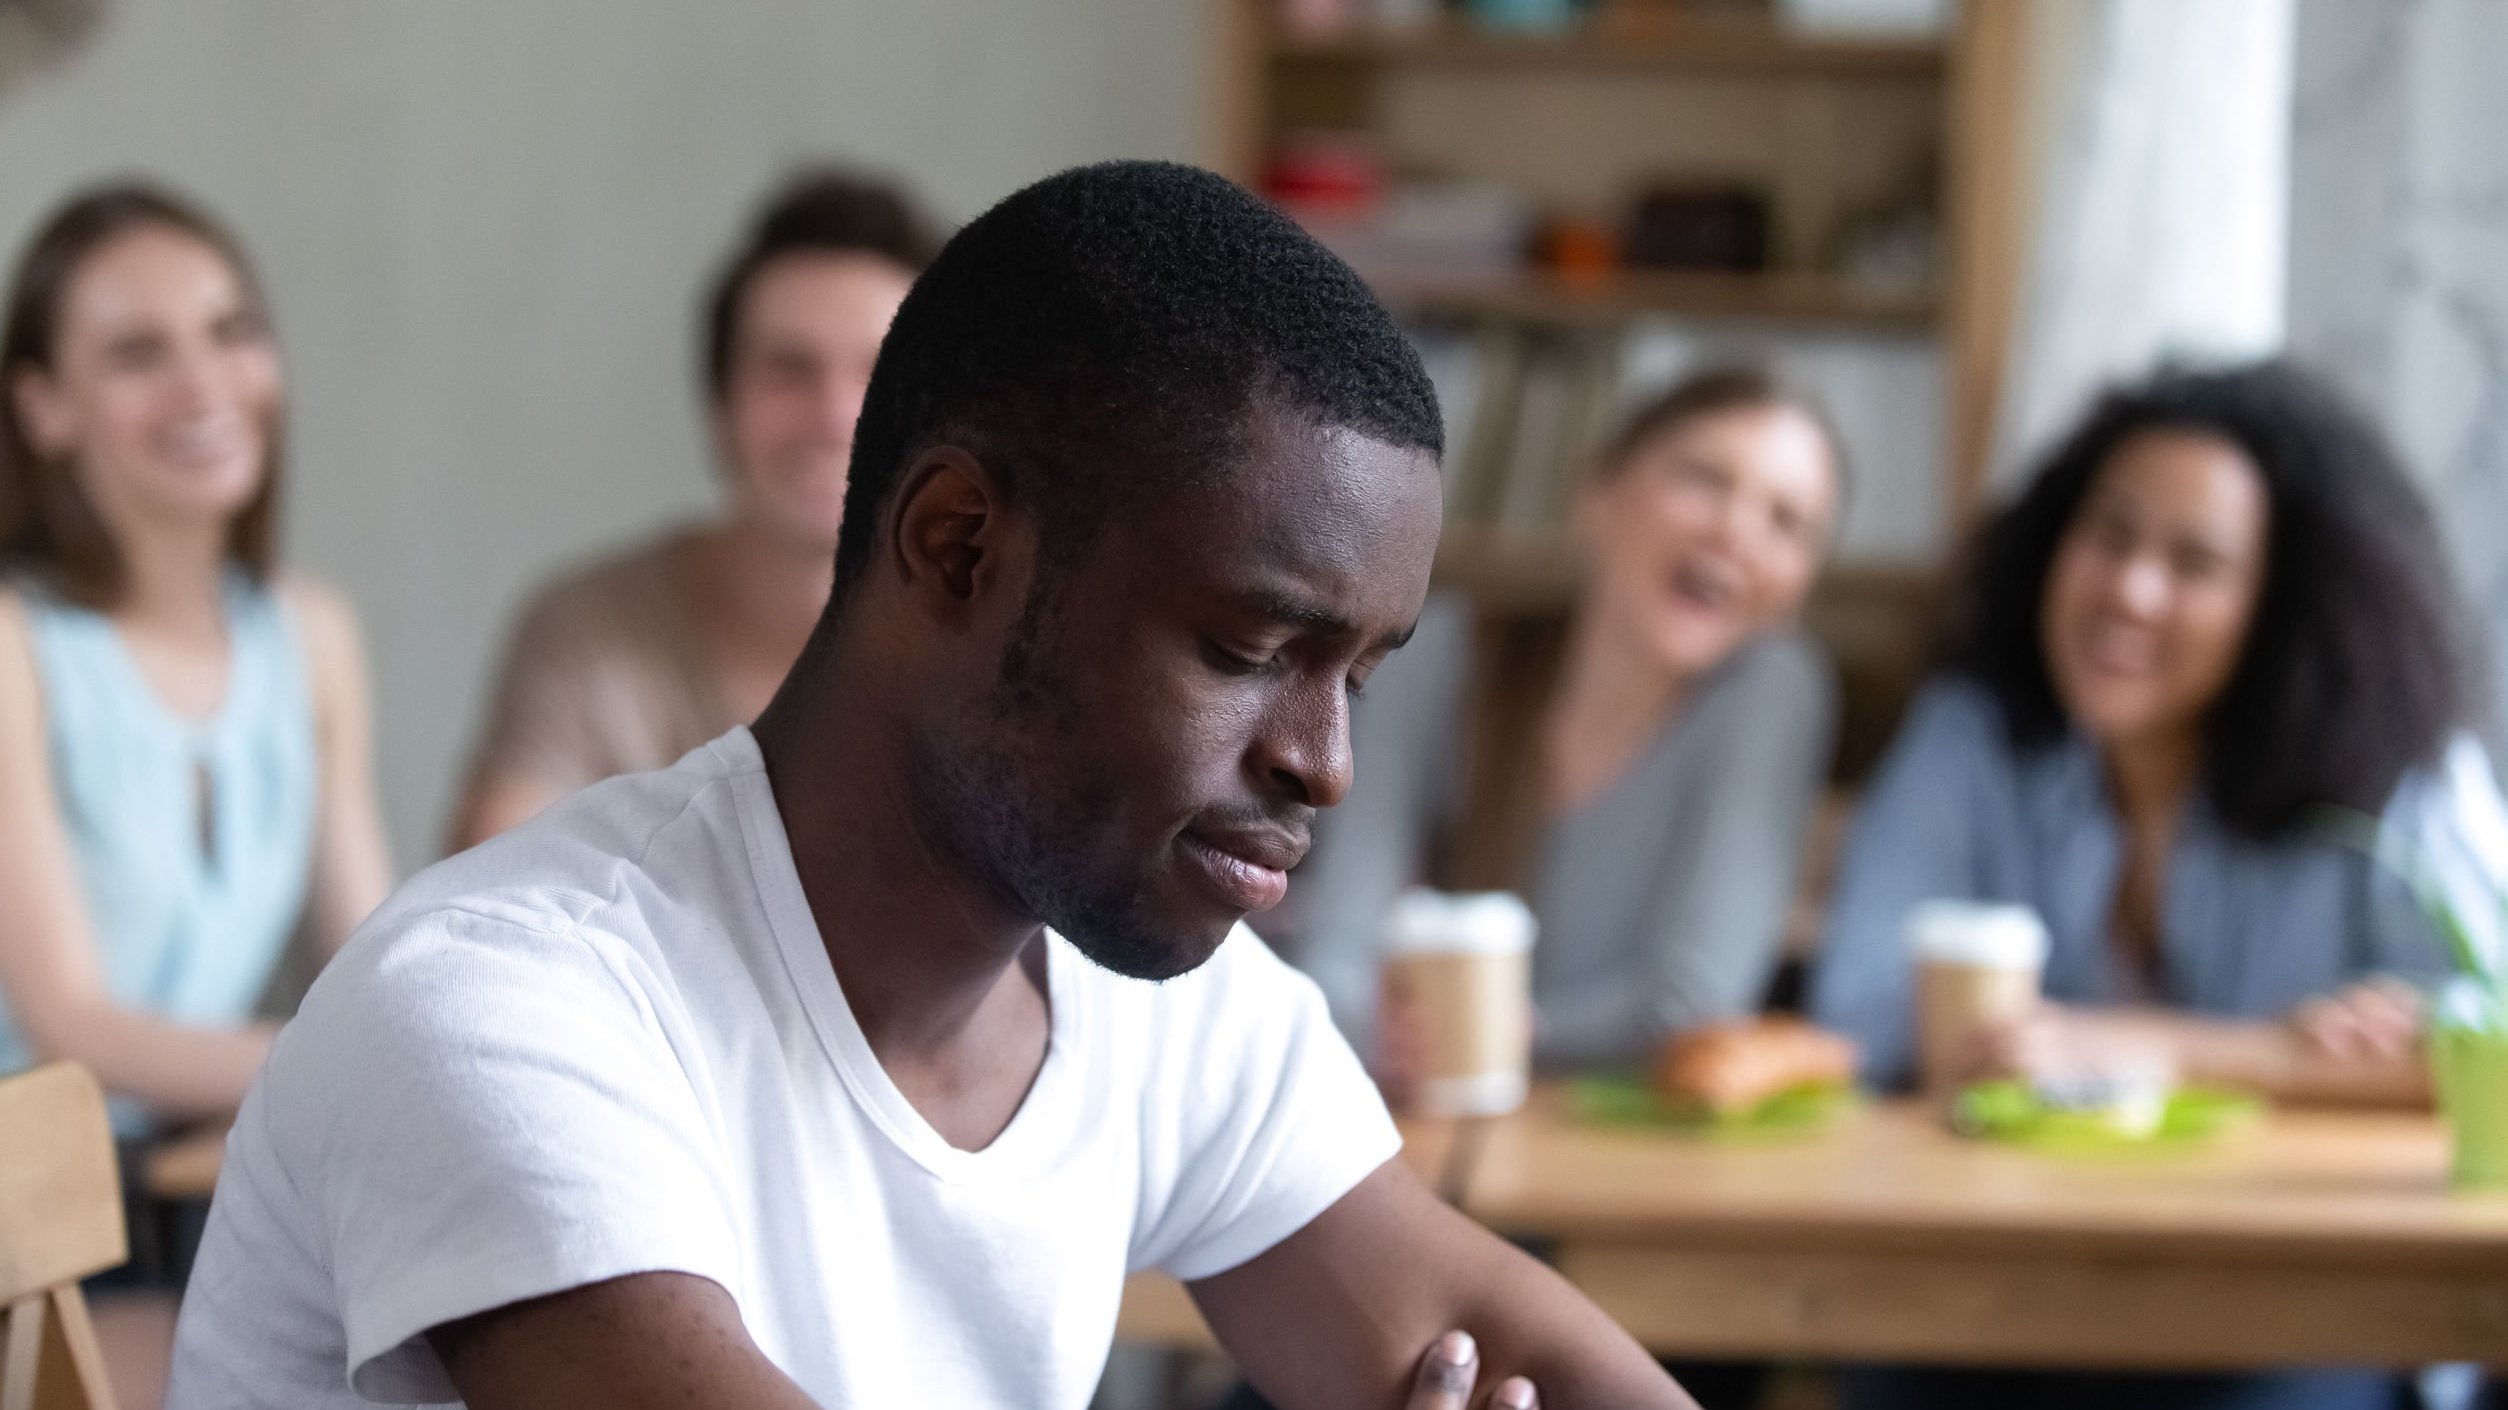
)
(177, 1070)
(2273, 1058)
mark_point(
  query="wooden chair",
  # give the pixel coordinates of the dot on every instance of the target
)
(60, 1221)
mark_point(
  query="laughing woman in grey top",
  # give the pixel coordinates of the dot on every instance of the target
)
(1654, 801)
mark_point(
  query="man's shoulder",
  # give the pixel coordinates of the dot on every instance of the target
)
(591, 866)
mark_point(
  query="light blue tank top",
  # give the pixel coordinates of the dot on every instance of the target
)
(194, 838)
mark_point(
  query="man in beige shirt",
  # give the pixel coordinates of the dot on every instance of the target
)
(627, 663)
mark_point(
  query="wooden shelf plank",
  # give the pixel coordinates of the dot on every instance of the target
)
(1701, 43)
(1543, 569)
(1539, 296)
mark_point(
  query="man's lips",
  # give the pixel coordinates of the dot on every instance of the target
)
(1246, 870)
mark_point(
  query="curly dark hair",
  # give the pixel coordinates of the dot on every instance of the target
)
(1109, 330)
(2360, 661)
(820, 210)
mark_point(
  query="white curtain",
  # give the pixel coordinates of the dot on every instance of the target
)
(2162, 133)
(2399, 246)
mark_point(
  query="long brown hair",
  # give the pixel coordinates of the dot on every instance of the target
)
(47, 524)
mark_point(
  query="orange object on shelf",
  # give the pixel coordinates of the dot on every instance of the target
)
(1580, 248)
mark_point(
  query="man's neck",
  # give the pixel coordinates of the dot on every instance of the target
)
(927, 959)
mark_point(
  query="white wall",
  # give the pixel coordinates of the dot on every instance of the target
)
(485, 225)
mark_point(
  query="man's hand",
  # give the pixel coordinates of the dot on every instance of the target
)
(1448, 1371)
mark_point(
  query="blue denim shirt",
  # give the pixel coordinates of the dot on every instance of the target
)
(2248, 928)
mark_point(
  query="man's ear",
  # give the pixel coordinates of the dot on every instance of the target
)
(955, 540)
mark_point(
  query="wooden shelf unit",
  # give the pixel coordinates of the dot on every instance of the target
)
(1544, 297)
(1732, 43)
(1267, 81)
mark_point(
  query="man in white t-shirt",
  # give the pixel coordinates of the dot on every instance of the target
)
(761, 1082)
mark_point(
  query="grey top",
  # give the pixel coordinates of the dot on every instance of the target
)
(2248, 928)
(1662, 902)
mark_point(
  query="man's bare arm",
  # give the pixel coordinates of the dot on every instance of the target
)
(642, 1342)
(1336, 1315)
(655, 1340)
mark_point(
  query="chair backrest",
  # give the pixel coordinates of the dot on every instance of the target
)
(60, 1221)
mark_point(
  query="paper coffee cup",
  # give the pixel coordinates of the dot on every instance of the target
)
(1463, 966)
(1978, 965)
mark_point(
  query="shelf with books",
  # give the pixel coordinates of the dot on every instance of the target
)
(1510, 571)
(1875, 619)
(1539, 296)
(1541, 570)
(1747, 43)
(1853, 142)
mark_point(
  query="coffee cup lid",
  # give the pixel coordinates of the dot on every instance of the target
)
(1480, 922)
(2000, 935)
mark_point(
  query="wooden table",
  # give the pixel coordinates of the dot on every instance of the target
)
(186, 1167)
(2316, 1238)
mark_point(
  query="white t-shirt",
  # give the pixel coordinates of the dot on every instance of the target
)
(611, 1042)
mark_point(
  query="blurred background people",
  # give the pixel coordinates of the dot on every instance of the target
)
(185, 774)
(629, 662)
(2218, 622)
(1653, 792)
(2216, 626)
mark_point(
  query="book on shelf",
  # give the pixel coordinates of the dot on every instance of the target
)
(1527, 408)
(1476, 467)
(1569, 390)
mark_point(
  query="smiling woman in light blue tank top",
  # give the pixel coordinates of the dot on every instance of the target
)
(185, 773)
(193, 836)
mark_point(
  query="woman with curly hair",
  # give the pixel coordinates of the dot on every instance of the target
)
(2214, 634)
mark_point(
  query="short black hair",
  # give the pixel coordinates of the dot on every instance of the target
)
(1111, 328)
(817, 210)
(2360, 661)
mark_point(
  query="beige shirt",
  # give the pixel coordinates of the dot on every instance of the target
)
(604, 675)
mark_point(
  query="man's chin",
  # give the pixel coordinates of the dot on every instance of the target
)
(1152, 954)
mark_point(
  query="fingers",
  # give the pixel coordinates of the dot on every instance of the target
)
(1446, 1374)
(1515, 1393)
(2379, 1018)
(2389, 1014)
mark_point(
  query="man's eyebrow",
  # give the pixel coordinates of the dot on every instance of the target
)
(1291, 611)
